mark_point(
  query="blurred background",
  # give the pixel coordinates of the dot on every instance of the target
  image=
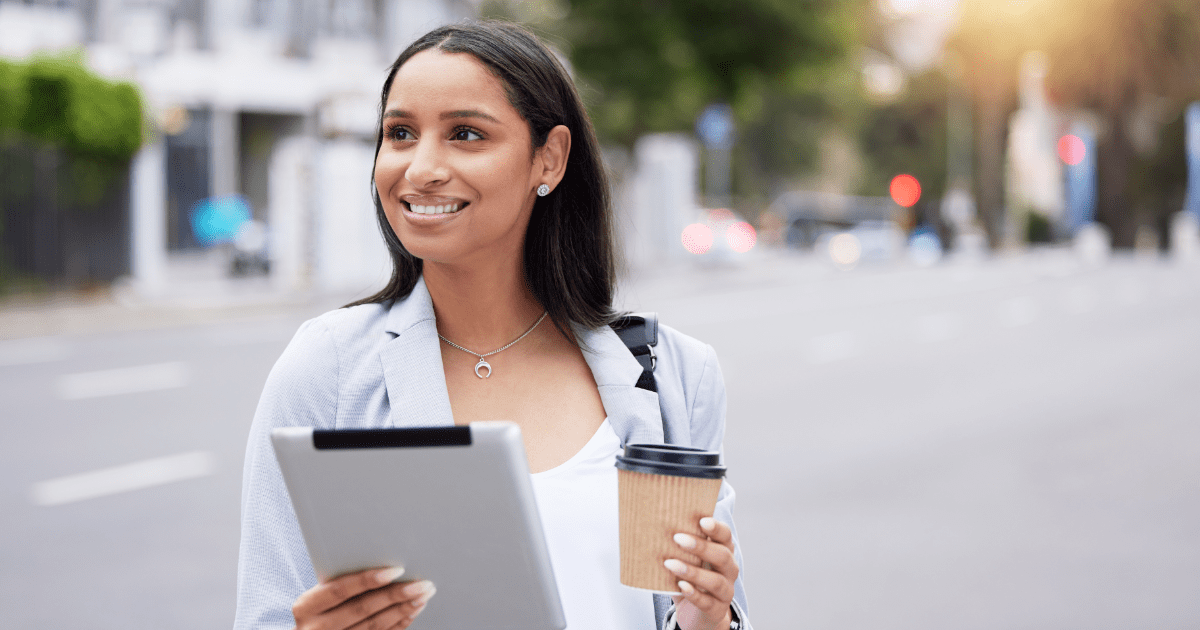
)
(947, 250)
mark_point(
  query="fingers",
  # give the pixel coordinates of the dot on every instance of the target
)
(397, 604)
(700, 585)
(367, 600)
(717, 531)
(402, 601)
(398, 615)
(331, 593)
(712, 554)
(707, 586)
(700, 610)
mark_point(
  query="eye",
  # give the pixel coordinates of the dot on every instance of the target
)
(398, 133)
(466, 134)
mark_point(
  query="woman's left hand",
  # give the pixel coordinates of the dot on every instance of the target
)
(708, 588)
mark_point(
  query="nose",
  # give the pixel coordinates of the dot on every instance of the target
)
(428, 167)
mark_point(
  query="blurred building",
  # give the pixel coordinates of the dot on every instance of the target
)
(274, 100)
(1035, 173)
(656, 197)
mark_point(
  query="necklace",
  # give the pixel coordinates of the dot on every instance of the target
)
(483, 362)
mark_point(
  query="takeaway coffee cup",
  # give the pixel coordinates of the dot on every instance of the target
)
(664, 490)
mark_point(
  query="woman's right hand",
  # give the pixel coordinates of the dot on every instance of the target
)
(367, 600)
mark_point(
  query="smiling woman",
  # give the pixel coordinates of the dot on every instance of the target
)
(456, 170)
(567, 248)
(492, 200)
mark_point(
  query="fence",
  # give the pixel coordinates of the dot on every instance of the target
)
(64, 219)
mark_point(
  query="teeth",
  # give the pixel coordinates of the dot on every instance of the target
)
(445, 209)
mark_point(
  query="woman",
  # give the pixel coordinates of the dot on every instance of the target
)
(493, 203)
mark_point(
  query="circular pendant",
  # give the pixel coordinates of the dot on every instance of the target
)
(483, 364)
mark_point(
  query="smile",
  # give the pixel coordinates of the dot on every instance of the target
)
(441, 209)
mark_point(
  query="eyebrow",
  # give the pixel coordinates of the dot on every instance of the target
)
(458, 113)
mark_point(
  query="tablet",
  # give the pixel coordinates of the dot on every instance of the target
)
(453, 505)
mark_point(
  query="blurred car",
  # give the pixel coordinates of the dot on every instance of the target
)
(924, 246)
(249, 254)
(866, 242)
(808, 217)
(718, 234)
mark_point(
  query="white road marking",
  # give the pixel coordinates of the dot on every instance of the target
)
(33, 350)
(135, 476)
(142, 378)
(833, 347)
(1019, 311)
(939, 327)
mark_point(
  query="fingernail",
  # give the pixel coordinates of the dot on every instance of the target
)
(686, 588)
(675, 566)
(418, 588)
(708, 523)
(389, 574)
(426, 596)
(685, 541)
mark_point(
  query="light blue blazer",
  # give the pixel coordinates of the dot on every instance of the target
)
(380, 365)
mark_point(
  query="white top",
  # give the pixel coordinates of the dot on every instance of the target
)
(578, 505)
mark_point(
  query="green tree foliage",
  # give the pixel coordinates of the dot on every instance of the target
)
(14, 96)
(656, 64)
(56, 101)
(653, 65)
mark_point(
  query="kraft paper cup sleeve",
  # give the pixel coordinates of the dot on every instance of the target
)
(653, 508)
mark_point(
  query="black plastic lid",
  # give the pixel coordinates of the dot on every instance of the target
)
(668, 459)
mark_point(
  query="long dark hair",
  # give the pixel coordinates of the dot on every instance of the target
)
(569, 258)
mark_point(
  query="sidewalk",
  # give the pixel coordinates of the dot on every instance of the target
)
(198, 290)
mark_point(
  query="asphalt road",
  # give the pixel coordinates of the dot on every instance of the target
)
(1006, 444)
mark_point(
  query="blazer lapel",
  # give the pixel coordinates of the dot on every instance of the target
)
(412, 364)
(633, 413)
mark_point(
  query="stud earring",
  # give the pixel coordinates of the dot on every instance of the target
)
(543, 190)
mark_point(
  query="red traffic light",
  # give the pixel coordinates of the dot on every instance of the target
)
(905, 190)
(1071, 149)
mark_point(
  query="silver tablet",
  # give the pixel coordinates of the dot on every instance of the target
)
(454, 505)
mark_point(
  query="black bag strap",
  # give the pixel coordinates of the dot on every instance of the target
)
(639, 333)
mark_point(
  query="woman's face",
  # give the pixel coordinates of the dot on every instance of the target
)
(455, 173)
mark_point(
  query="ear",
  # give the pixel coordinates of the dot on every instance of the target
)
(550, 161)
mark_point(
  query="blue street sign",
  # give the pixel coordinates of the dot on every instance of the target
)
(1192, 201)
(217, 219)
(1081, 182)
(715, 126)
